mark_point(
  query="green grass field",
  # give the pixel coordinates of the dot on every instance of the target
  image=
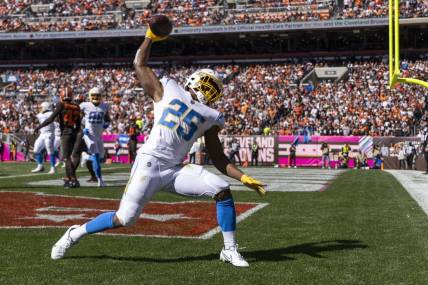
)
(364, 229)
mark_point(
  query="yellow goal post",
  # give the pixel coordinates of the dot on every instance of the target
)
(394, 48)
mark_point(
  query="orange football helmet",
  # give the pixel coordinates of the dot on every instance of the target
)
(66, 94)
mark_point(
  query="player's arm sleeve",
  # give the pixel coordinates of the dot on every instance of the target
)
(145, 75)
(51, 118)
(107, 117)
(220, 121)
(216, 153)
(79, 122)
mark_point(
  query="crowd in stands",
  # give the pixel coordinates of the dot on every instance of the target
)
(379, 8)
(258, 99)
(73, 15)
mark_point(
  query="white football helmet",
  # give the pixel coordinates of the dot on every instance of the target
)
(205, 85)
(45, 106)
(95, 95)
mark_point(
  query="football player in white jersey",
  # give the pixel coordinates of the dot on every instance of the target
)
(182, 115)
(45, 140)
(96, 119)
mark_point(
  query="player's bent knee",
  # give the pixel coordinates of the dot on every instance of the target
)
(126, 221)
(223, 195)
(116, 221)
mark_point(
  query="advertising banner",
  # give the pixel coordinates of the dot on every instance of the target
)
(119, 155)
(214, 29)
(267, 148)
(308, 149)
(273, 150)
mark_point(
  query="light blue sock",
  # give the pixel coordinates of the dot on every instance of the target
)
(96, 164)
(226, 215)
(52, 160)
(38, 158)
(101, 223)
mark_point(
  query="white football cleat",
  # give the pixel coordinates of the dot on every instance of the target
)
(39, 168)
(231, 254)
(52, 171)
(85, 157)
(58, 163)
(63, 244)
(101, 183)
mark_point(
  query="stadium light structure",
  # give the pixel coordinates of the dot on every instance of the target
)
(394, 48)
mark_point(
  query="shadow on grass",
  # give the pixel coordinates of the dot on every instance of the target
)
(313, 249)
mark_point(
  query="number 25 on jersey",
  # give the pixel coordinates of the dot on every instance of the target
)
(184, 119)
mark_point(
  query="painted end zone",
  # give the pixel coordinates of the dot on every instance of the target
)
(189, 219)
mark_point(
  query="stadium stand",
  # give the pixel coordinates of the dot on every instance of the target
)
(256, 96)
(61, 15)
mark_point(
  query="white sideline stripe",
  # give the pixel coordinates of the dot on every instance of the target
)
(45, 173)
(418, 191)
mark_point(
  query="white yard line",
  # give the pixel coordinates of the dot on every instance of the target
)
(38, 174)
(416, 183)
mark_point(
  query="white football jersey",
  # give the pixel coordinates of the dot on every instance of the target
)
(94, 117)
(49, 129)
(179, 121)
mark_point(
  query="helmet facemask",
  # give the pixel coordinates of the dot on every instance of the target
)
(95, 99)
(205, 86)
(95, 96)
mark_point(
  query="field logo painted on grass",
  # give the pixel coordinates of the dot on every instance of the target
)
(188, 219)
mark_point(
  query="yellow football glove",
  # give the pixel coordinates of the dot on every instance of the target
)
(252, 183)
(153, 37)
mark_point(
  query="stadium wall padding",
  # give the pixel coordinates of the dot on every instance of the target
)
(274, 150)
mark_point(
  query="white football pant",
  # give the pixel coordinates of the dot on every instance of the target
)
(95, 145)
(150, 175)
(57, 143)
(44, 141)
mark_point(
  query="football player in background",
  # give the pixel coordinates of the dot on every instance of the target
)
(96, 119)
(68, 114)
(57, 144)
(45, 139)
(84, 156)
(182, 115)
(134, 131)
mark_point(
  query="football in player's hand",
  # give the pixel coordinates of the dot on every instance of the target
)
(160, 25)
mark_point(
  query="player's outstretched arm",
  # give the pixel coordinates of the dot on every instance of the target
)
(223, 164)
(107, 120)
(145, 75)
(51, 118)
